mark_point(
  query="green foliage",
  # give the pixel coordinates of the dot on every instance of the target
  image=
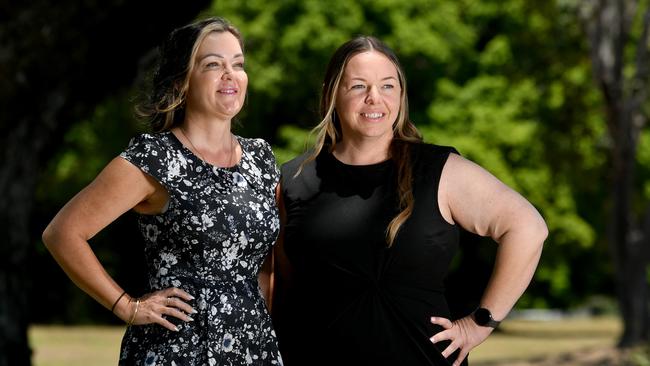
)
(86, 149)
(506, 82)
(296, 141)
(88, 146)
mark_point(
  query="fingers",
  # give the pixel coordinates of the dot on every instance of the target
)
(175, 313)
(449, 334)
(445, 334)
(154, 307)
(461, 356)
(455, 345)
(463, 335)
(451, 348)
(179, 304)
(164, 322)
(443, 322)
(177, 292)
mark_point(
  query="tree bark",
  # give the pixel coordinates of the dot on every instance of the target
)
(608, 29)
(58, 60)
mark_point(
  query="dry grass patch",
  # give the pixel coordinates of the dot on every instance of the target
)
(75, 346)
(522, 342)
(518, 343)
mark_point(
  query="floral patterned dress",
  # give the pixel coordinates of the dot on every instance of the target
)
(210, 241)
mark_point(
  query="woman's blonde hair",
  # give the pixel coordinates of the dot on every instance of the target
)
(328, 131)
(164, 108)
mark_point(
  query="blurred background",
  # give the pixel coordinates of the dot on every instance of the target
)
(551, 96)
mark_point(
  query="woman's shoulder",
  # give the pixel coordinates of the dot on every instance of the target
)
(255, 145)
(430, 157)
(424, 150)
(257, 142)
(150, 140)
(292, 166)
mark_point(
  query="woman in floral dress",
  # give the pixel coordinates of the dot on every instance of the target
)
(207, 212)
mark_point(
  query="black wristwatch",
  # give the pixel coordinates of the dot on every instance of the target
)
(483, 317)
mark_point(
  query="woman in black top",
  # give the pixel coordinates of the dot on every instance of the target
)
(370, 226)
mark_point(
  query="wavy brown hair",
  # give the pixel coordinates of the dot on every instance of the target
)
(164, 107)
(328, 131)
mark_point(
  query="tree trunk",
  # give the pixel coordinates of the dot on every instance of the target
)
(629, 244)
(608, 27)
(17, 181)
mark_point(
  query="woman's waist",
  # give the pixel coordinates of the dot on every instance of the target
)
(216, 283)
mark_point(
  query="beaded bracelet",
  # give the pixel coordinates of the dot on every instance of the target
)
(116, 301)
(137, 305)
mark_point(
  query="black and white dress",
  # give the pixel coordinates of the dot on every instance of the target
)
(211, 240)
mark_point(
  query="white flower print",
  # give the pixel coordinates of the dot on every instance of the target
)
(220, 225)
(239, 180)
(207, 221)
(242, 239)
(151, 359)
(227, 342)
(249, 359)
(174, 169)
(151, 232)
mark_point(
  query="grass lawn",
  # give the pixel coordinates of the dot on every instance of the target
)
(518, 341)
(521, 340)
(75, 346)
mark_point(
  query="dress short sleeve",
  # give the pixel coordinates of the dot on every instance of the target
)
(146, 152)
(273, 169)
(267, 173)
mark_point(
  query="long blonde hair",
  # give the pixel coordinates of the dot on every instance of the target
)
(328, 131)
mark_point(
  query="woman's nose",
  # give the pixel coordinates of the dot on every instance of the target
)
(227, 72)
(373, 95)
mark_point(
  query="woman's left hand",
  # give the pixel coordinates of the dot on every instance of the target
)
(464, 334)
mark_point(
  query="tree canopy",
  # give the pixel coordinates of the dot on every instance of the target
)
(507, 82)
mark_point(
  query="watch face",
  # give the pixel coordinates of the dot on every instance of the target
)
(482, 316)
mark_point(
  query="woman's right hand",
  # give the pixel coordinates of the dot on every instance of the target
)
(151, 308)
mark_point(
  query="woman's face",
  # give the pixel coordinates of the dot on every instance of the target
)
(368, 97)
(217, 86)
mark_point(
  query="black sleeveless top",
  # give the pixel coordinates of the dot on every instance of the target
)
(353, 300)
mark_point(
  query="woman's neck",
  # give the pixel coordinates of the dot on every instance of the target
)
(210, 135)
(362, 152)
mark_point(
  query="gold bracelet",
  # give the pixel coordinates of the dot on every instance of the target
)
(116, 301)
(137, 305)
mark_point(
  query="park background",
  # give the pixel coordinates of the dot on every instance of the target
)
(548, 95)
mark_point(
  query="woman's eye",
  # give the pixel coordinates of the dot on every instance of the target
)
(388, 86)
(212, 64)
(239, 65)
(358, 86)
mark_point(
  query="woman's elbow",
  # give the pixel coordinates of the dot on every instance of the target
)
(48, 236)
(539, 232)
(53, 234)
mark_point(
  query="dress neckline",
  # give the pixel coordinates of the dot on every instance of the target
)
(380, 165)
(189, 152)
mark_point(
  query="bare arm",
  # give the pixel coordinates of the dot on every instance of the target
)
(481, 204)
(118, 188)
(473, 198)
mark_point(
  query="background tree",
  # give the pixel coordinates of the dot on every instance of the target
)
(622, 72)
(507, 82)
(58, 60)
